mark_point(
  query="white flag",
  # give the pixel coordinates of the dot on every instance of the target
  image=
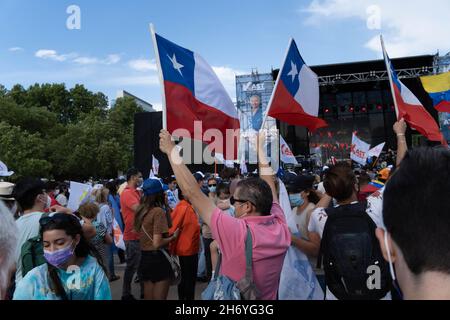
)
(376, 151)
(297, 279)
(227, 163)
(118, 235)
(4, 170)
(359, 151)
(243, 166)
(286, 154)
(155, 165)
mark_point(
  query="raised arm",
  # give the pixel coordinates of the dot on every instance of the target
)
(402, 147)
(186, 181)
(265, 170)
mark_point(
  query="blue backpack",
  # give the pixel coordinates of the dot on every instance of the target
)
(223, 288)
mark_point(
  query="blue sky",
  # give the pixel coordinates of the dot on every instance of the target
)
(113, 49)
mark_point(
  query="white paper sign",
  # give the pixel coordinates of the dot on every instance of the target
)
(79, 193)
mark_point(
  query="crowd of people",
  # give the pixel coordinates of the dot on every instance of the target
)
(349, 221)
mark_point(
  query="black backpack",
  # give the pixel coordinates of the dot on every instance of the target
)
(351, 254)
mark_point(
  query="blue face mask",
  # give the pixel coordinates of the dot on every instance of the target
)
(296, 200)
(212, 189)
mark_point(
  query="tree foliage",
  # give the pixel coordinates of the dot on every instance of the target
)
(50, 131)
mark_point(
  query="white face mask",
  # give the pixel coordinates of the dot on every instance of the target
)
(391, 265)
(223, 204)
(47, 201)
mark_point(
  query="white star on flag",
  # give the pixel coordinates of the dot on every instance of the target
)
(176, 65)
(294, 72)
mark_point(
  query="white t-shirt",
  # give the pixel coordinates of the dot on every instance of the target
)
(374, 210)
(28, 227)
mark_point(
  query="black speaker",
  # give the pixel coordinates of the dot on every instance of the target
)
(147, 126)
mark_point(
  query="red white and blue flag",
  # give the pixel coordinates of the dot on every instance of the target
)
(193, 92)
(296, 95)
(408, 107)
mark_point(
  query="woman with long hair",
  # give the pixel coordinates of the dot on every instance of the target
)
(88, 213)
(105, 217)
(151, 223)
(72, 271)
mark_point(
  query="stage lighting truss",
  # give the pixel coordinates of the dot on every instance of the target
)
(374, 76)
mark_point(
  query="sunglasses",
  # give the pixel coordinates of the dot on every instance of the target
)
(57, 217)
(212, 185)
(233, 201)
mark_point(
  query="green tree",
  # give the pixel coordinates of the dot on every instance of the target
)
(24, 153)
(18, 94)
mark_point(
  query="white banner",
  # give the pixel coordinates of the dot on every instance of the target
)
(79, 193)
(286, 154)
(359, 151)
(376, 151)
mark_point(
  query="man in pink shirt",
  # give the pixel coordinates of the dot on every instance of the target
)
(256, 206)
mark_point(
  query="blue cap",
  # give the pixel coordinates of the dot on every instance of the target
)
(154, 186)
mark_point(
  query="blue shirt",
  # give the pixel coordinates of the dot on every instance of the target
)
(91, 284)
(257, 119)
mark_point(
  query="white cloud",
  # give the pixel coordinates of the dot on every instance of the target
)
(86, 60)
(15, 49)
(142, 65)
(157, 106)
(53, 55)
(228, 78)
(410, 27)
(75, 58)
(112, 59)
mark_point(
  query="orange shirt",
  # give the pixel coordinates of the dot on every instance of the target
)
(185, 219)
(128, 198)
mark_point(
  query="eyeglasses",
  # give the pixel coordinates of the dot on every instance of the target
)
(233, 201)
(212, 185)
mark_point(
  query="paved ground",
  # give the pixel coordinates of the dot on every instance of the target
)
(116, 287)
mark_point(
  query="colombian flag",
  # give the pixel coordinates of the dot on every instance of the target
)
(438, 87)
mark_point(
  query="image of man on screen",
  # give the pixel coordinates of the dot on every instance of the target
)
(257, 112)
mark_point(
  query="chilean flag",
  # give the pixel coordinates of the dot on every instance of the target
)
(296, 95)
(408, 107)
(193, 92)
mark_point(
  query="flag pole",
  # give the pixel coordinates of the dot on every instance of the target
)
(388, 68)
(161, 78)
(276, 84)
